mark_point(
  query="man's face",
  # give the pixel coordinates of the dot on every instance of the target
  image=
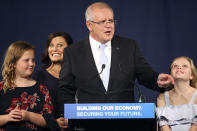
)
(102, 27)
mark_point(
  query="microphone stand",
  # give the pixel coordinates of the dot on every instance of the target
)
(141, 98)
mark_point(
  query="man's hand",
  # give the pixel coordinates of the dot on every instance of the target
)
(165, 80)
(63, 123)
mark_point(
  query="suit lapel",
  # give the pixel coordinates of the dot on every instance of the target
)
(91, 65)
(89, 57)
(115, 60)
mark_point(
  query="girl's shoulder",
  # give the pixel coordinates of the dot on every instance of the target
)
(161, 100)
(195, 101)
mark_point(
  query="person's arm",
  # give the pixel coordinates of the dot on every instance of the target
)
(20, 115)
(145, 74)
(194, 121)
(193, 127)
(3, 119)
(161, 103)
(48, 110)
(165, 128)
(165, 80)
(14, 116)
(35, 118)
(63, 123)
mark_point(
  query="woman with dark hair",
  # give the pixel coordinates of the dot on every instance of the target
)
(62, 39)
(52, 59)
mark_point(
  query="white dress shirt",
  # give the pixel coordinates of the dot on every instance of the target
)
(96, 52)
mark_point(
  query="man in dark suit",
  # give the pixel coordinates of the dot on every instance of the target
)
(82, 69)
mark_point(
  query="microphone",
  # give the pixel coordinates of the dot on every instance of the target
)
(98, 74)
(141, 98)
(102, 68)
(117, 48)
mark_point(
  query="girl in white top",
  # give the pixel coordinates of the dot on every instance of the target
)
(177, 108)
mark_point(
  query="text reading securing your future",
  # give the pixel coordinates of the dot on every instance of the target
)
(108, 111)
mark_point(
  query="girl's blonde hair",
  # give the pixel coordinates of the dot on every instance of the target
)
(193, 82)
(13, 53)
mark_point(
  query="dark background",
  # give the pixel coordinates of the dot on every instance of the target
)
(164, 29)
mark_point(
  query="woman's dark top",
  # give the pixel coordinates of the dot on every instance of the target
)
(35, 99)
(45, 78)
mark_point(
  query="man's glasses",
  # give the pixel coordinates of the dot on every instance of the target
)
(103, 22)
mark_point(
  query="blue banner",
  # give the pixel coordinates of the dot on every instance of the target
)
(109, 111)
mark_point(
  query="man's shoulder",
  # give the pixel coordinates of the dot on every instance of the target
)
(82, 41)
(78, 47)
(124, 40)
(117, 37)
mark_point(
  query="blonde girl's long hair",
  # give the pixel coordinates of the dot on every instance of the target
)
(193, 82)
(13, 53)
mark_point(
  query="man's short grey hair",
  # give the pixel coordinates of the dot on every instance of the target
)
(89, 14)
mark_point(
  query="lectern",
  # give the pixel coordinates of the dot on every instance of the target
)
(136, 116)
